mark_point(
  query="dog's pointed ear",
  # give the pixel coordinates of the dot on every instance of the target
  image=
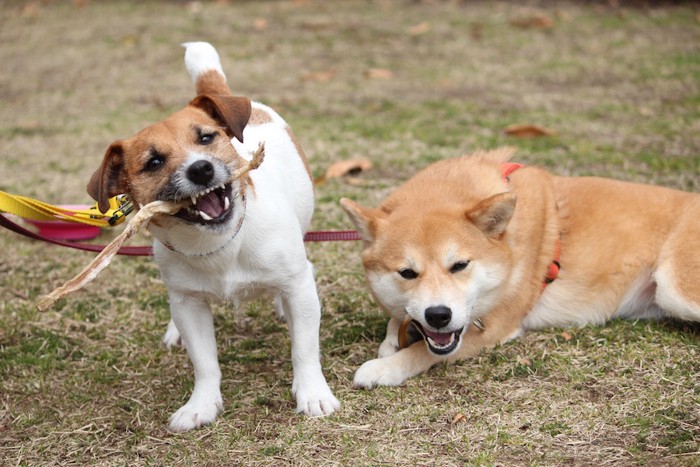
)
(493, 214)
(232, 112)
(107, 181)
(366, 220)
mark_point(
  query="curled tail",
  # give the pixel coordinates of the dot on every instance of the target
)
(203, 65)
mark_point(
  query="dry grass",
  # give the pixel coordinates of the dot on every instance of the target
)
(89, 383)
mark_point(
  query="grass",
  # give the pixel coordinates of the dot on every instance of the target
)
(88, 382)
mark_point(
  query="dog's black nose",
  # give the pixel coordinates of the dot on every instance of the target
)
(438, 316)
(200, 172)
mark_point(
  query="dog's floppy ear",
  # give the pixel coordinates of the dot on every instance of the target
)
(232, 112)
(366, 220)
(493, 214)
(107, 181)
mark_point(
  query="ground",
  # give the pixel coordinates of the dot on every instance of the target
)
(403, 83)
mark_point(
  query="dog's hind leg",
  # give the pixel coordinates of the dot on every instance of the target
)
(172, 336)
(279, 308)
(678, 273)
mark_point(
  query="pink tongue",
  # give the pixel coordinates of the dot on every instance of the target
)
(440, 338)
(210, 204)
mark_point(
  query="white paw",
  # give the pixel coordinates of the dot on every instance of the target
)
(387, 348)
(172, 336)
(316, 400)
(379, 372)
(195, 414)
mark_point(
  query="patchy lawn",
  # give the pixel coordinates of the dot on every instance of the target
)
(403, 83)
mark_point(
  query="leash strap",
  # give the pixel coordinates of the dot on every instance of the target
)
(320, 236)
(125, 250)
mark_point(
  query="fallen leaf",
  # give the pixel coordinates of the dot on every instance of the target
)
(348, 167)
(460, 417)
(260, 24)
(524, 361)
(319, 76)
(419, 29)
(566, 336)
(528, 131)
(537, 21)
(378, 73)
(476, 31)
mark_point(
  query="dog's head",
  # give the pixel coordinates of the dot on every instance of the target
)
(187, 156)
(440, 265)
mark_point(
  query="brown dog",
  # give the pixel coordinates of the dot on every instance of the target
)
(452, 251)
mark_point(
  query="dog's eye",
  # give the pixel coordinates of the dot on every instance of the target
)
(155, 162)
(459, 266)
(206, 138)
(408, 273)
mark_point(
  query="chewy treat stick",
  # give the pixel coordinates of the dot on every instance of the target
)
(102, 260)
(142, 217)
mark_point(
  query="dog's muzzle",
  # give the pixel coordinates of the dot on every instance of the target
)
(212, 206)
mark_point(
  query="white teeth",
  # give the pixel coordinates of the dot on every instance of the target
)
(226, 203)
(194, 199)
(204, 215)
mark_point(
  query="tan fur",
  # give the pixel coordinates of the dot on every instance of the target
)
(627, 250)
(300, 151)
(212, 82)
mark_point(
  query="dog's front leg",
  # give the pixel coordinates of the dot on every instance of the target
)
(303, 314)
(396, 368)
(194, 320)
(390, 345)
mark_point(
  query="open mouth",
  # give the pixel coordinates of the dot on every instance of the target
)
(440, 343)
(210, 207)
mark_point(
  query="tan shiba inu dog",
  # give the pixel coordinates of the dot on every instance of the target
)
(454, 252)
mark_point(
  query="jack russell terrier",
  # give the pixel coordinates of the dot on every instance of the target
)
(237, 239)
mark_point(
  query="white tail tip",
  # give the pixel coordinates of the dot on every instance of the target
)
(201, 57)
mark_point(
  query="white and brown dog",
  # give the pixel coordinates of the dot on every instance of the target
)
(452, 253)
(239, 238)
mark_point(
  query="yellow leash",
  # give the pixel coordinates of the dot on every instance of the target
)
(119, 207)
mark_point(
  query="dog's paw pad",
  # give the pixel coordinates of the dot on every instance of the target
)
(191, 416)
(317, 403)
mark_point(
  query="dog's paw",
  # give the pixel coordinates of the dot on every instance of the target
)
(316, 401)
(379, 372)
(387, 348)
(195, 414)
(172, 337)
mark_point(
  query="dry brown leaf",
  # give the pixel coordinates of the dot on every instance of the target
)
(319, 76)
(566, 336)
(537, 21)
(460, 417)
(260, 24)
(348, 167)
(379, 73)
(528, 131)
(420, 28)
(524, 361)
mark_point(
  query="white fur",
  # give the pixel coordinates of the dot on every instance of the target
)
(201, 57)
(266, 255)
